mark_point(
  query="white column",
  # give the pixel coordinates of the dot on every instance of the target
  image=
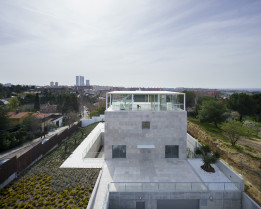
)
(132, 102)
(158, 102)
(184, 101)
(106, 102)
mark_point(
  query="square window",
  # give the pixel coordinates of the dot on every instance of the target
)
(118, 151)
(171, 151)
(145, 124)
(140, 205)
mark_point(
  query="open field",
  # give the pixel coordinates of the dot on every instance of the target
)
(45, 185)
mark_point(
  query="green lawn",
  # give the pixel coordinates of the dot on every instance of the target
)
(45, 185)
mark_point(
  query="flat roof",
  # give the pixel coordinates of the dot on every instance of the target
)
(144, 92)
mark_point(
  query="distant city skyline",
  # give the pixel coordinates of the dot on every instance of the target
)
(202, 44)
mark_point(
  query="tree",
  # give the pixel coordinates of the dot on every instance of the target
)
(200, 102)
(257, 99)
(37, 102)
(13, 103)
(99, 111)
(207, 157)
(4, 120)
(71, 117)
(234, 129)
(243, 103)
(190, 98)
(4, 126)
(212, 111)
(31, 124)
(82, 130)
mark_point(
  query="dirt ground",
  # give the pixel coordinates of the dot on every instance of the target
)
(254, 144)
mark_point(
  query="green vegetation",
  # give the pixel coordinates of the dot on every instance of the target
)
(234, 129)
(212, 111)
(243, 103)
(37, 102)
(13, 135)
(190, 98)
(207, 157)
(13, 104)
(99, 111)
(45, 185)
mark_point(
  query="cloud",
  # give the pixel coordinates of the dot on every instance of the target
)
(131, 43)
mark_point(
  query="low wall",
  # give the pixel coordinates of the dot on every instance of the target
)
(230, 174)
(192, 143)
(248, 203)
(86, 122)
(94, 191)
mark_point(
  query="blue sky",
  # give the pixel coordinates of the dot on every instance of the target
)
(167, 43)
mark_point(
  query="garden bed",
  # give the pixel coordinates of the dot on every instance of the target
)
(45, 185)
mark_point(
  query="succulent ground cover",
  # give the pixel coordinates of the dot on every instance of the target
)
(45, 185)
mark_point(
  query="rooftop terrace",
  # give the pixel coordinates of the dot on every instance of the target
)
(145, 101)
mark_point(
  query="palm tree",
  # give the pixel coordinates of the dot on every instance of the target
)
(207, 157)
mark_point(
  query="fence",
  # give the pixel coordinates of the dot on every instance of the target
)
(17, 165)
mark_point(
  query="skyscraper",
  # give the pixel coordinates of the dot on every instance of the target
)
(87, 82)
(79, 80)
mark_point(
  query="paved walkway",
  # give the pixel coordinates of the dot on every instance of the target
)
(20, 150)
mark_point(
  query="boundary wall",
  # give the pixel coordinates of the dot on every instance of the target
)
(86, 122)
(13, 167)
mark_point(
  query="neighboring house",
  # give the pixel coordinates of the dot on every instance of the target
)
(18, 117)
(57, 119)
(47, 118)
(5, 101)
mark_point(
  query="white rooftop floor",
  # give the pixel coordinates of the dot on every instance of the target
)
(125, 170)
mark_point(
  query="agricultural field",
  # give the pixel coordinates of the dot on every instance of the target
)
(45, 185)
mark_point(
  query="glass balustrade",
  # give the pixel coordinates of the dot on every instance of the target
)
(145, 101)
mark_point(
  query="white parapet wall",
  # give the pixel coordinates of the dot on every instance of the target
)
(86, 122)
(77, 158)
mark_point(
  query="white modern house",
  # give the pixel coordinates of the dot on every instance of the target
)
(145, 125)
(142, 149)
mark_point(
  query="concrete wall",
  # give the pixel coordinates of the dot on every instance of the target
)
(192, 143)
(86, 122)
(207, 200)
(97, 144)
(248, 203)
(125, 128)
(230, 174)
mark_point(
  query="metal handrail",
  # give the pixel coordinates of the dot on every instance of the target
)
(172, 186)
